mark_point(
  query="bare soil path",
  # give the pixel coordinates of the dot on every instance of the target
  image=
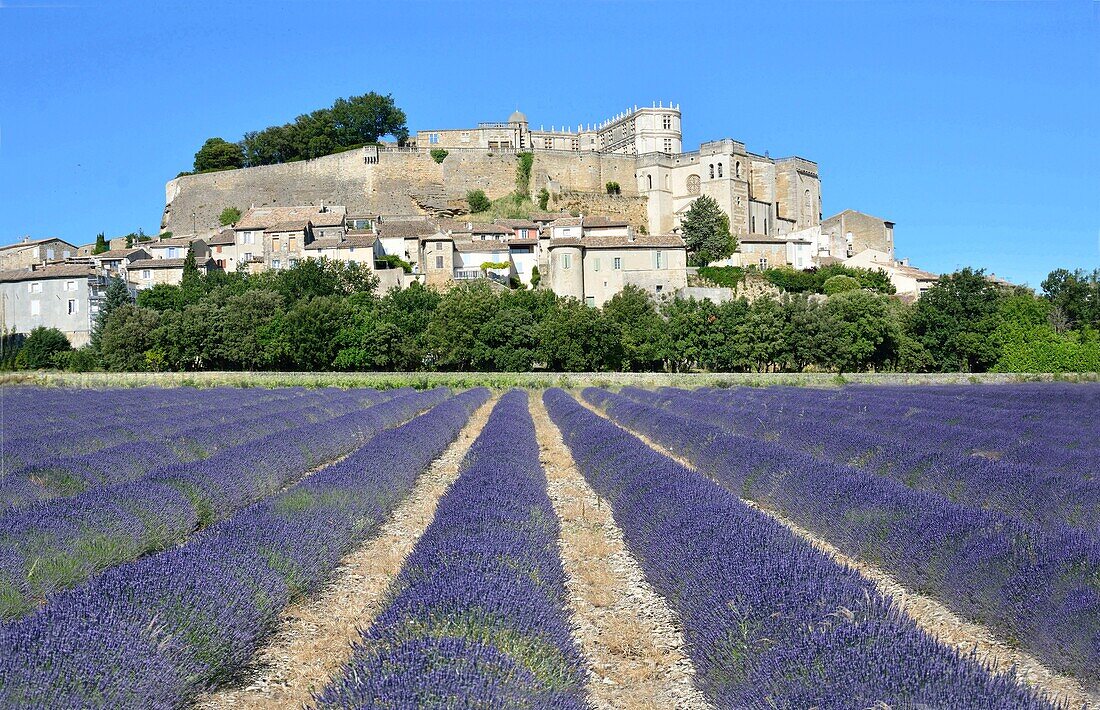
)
(315, 636)
(626, 630)
(930, 615)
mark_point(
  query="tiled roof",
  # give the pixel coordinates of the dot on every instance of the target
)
(222, 238)
(166, 263)
(517, 223)
(487, 228)
(361, 239)
(671, 241)
(54, 271)
(119, 253)
(565, 242)
(299, 225)
(324, 243)
(409, 228)
(548, 216)
(175, 242)
(35, 242)
(522, 242)
(760, 239)
(264, 217)
(919, 274)
(566, 222)
(482, 245)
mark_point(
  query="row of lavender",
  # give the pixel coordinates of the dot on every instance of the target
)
(477, 616)
(39, 423)
(922, 455)
(1013, 421)
(156, 632)
(769, 620)
(189, 436)
(58, 544)
(1032, 585)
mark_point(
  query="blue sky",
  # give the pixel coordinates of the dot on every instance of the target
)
(975, 127)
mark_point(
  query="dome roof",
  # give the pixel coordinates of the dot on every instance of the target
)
(517, 117)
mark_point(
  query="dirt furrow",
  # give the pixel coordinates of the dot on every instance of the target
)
(930, 615)
(315, 636)
(626, 630)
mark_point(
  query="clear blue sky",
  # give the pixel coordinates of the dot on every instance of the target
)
(975, 127)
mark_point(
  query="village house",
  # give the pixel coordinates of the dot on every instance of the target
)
(115, 263)
(146, 273)
(594, 268)
(911, 283)
(31, 252)
(62, 296)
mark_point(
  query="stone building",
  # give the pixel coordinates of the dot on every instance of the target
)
(116, 262)
(632, 132)
(62, 296)
(851, 232)
(146, 273)
(31, 252)
(594, 268)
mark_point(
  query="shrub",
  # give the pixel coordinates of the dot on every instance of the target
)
(478, 201)
(544, 198)
(535, 277)
(438, 155)
(840, 284)
(229, 216)
(393, 261)
(523, 173)
(44, 347)
(83, 360)
(613, 188)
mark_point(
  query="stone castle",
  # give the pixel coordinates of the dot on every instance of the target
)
(639, 149)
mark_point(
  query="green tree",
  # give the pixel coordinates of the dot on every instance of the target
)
(478, 201)
(218, 154)
(454, 334)
(840, 284)
(706, 229)
(438, 155)
(544, 198)
(127, 335)
(536, 277)
(643, 330)
(761, 340)
(576, 338)
(116, 296)
(190, 267)
(523, 173)
(309, 332)
(860, 332)
(44, 347)
(1076, 295)
(955, 320)
(100, 244)
(250, 323)
(230, 215)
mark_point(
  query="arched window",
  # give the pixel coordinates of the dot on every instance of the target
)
(807, 205)
(719, 170)
(649, 179)
(737, 169)
(666, 181)
(693, 184)
(712, 171)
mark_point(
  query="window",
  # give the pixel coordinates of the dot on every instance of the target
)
(566, 261)
(693, 184)
(712, 171)
(292, 243)
(74, 306)
(35, 287)
(618, 263)
(547, 143)
(36, 307)
(590, 301)
(439, 262)
(294, 262)
(433, 138)
(658, 260)
(49, 254)
(763, 263)
(146, 274)
(69, 286)
(275, 244)
(574, 144)
(248, 256)
(439, 246)
(666, 122)
(668, 145)
(752, 228)
(249, 238)
(275, 263)
(649, 179)
(65, 254)
(719, 170)
(596, 264)
(351, 250)
(659, 288)
(737, 169)
(523, 233)
(465, 136)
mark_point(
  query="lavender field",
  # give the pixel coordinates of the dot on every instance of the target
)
(781, 547)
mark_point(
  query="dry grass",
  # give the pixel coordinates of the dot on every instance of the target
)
(315, 637)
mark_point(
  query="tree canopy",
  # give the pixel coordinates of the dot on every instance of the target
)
(706, 230)
(218, 154)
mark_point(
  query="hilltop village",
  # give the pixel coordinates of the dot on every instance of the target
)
(612, 196)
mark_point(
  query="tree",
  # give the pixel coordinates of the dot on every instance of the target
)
(438, 155)
(43, 348)
(248, 322)
(1076, 294)
(218, 154)
(100, 244)
(955, 320)
(576, 338)
(706, 230)
(127, 336)
(642, 328)
(190, 267)
(536, 277)
(544, 198)
(309, 332)
(760, 336)
(116, 296)
(455, 338)
(840, 284)
(230, 215)
(478, 201)
(859, 332)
